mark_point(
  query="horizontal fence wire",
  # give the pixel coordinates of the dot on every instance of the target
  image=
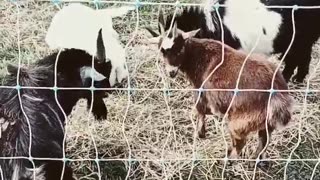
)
(177, 3)
(307, 91)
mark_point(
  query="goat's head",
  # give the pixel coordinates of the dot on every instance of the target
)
(74, 69)
(171, 42)
(79, 69)
(172, 48)
(187, 19)
(157, 37)
(97, 37)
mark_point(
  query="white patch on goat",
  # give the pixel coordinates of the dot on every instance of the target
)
(207, 11)
(32, 98)
(28, 173)
(249, 22)
(117, 57)
(85, 72)
(112, 77)
(2, 121)
(167, 43)
(16, 172)
(39, 172)
(170, 68)
(77, 26)
(74, 26)
(56, 115)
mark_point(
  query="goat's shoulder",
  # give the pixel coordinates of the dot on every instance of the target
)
(208, 44)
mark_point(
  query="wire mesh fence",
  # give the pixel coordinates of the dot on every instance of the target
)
(150, 132)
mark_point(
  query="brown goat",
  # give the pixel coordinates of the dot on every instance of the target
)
(197, 58)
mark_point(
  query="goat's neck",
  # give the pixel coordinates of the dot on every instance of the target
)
(196, 61)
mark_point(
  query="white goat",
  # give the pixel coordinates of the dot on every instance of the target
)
(78, 26)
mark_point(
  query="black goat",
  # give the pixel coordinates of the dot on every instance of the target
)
(45, 119)
(243, 23)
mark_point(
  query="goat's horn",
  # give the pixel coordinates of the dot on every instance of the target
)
(101, 51)
(161, 21)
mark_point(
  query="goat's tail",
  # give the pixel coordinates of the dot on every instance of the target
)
(117, 11)
(280, 110)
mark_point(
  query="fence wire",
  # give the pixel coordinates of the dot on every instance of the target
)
(172, 131)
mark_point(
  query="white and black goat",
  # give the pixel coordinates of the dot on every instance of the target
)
(244, 22)
(80, 27)
(45, 119)
(197, 58)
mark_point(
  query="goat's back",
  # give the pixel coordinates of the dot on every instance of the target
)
(257, 76)
(34, 112)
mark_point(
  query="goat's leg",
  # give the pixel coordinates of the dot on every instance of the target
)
(263, 140)
(299, 56)
(303, 65)
(202, 110)
(261, 150)
(54, 171)
(99, 108)
(201, 125)
(237, 145)
(289, 69)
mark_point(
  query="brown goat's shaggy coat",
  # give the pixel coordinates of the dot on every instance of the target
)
(197, 58)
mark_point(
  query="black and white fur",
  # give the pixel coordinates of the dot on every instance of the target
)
(79, 26)
(46, 119)
(244, 22)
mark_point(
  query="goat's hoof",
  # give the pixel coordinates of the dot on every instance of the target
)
(264, 165)
(202, 132)
(297, 80)
(229, 151)
(232, 153)
(100, 116)
(252, 164)
(202, 135)
(100, 111)
(230, 162)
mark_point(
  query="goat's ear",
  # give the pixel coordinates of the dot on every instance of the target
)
(175, 30)
(190, 34)
(156, 37)
(85, 73)
(154, 34)
(101, 51)
(154, 40)
(12, 69)
(161, 29)
(161, 21)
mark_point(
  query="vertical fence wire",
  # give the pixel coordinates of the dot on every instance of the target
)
(165, 91)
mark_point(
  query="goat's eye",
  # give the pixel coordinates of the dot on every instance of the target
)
(163, 50)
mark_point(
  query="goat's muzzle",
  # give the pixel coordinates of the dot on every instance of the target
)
(172, 71)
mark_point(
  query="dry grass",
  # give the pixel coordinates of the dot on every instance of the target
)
(153, 128)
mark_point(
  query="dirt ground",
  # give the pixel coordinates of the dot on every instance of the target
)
(149, 134)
